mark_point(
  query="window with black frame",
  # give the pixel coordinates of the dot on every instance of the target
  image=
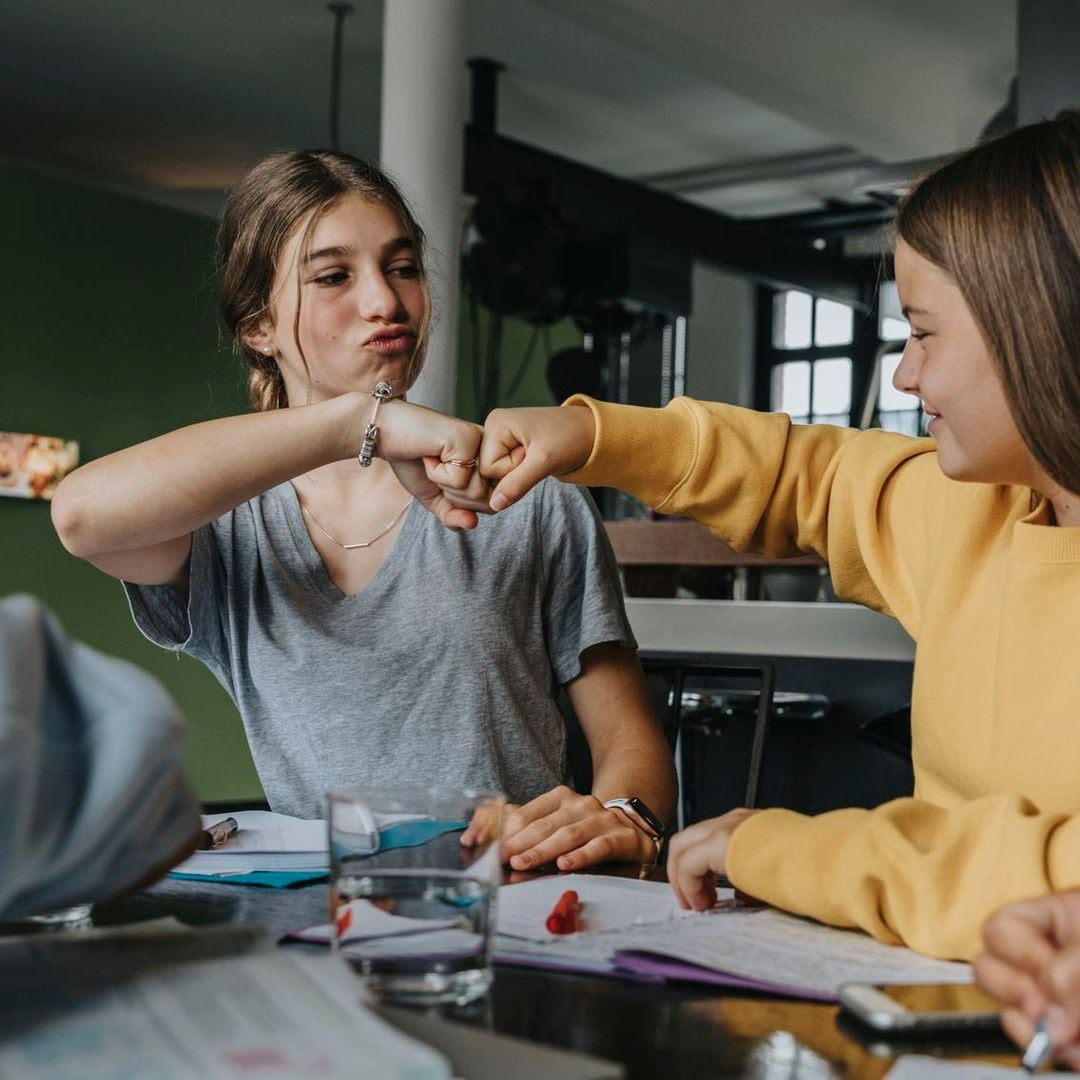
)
(895, 410)
(816, 358)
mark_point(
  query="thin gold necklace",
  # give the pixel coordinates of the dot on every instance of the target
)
(363, 543)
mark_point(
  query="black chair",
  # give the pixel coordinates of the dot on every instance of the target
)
(667, 677)
(674, 672)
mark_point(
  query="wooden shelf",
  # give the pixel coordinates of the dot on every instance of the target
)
(684, 543)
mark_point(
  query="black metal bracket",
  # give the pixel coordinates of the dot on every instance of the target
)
(676, 670)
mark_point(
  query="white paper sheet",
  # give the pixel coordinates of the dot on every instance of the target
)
(267, 841)
(610, 903)
(762, 945)
(921, 1067)
(228, 865)
(779, 948)
(272, 1014)
(262, 831)
(453, 942)
(758, 944)
(368, 921)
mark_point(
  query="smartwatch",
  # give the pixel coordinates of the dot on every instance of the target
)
(641, 816)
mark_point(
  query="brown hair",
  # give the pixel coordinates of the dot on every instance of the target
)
(1003, 220)
(262, 212)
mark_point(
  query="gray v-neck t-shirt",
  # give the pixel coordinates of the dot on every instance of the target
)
(443, 670)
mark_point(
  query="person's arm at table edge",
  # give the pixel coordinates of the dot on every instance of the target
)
(630, 754)
(907, 871)
(630, 758)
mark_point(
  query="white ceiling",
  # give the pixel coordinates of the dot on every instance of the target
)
(171, 100)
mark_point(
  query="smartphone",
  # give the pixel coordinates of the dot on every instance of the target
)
(911, 1010)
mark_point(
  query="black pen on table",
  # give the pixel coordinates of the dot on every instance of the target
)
(218, 833)
(1040, 1046)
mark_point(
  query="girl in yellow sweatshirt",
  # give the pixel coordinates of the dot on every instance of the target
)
(971, 539)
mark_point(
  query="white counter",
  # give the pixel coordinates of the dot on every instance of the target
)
(768, 628)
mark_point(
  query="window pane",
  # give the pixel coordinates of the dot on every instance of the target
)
(906, 423)
(832, 386)
(889, 301)
(893, 329)
(837, 419)
(791, 320)
(833, 323)
(791, 388)
(889, 398)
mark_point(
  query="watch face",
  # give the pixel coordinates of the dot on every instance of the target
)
(647, 816)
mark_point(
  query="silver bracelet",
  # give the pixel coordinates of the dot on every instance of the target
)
(381, 393)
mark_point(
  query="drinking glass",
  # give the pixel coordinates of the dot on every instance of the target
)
(411, 908)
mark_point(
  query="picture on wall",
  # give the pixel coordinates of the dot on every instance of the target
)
(32, 465)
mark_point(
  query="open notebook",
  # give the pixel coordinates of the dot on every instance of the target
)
(634, 929)
(263, 841)
(278, 850)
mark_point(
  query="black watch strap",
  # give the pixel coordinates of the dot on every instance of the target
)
(640, 814)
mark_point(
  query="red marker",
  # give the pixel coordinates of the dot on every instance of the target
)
(344, 920)
(564, 915)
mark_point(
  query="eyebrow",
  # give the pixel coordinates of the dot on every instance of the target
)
(339, 251)
(907, 311)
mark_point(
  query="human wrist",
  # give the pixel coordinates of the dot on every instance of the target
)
(351, 412)
(739, 868)
(581, 422)
(649, 828)
(645, 850)
(359, 411)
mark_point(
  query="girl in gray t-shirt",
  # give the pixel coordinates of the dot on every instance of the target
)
(363, 639)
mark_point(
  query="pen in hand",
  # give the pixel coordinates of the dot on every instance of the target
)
(218, 833)
(1039, 1048)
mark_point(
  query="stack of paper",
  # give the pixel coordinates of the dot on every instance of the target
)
(756, 948)
(263, 842)
(275, 849)
(262, 1015)
(923, 1067)
(161, 999)
(634, 929)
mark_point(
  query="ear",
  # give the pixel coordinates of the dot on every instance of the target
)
(260, 338)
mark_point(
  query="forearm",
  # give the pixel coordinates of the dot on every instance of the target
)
(630, 758)
(630, 755)
(907, 871)
(170, 486)
(641, 767)
(701, 463)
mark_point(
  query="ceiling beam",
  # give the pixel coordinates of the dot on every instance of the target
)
(591, 198)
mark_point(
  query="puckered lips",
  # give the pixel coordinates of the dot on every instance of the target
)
(391, 339)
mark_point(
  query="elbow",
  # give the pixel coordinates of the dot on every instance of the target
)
(69, 519)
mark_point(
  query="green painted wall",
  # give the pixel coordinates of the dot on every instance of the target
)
(109, 335)
(532, 388)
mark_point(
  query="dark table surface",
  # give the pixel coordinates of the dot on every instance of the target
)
(672, 1031)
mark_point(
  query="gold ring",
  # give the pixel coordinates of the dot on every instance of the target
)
(461, 464)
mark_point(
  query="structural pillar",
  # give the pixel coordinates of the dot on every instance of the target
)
(422, 147)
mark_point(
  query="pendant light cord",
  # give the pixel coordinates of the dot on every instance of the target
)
(339, 9)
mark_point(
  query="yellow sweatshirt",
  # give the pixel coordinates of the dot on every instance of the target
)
(991, 594)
